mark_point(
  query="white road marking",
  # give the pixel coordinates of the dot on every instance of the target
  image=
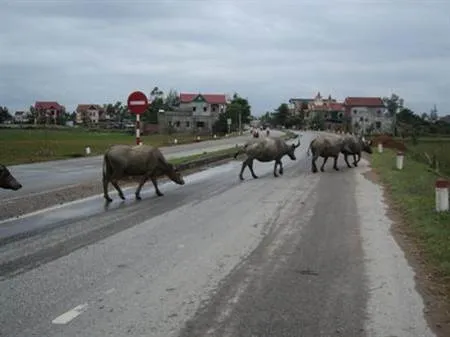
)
(70, 315)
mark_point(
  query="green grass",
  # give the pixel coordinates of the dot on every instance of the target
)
(28, 145)
(438, 147)
(412, 191)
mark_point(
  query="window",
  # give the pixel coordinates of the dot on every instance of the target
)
(177, 124)
(187, 124)
(340, 115)
(170, 123)
(194, 108)
(355, 111)
(213, 109)
(200, 124)
(205, 109)
(361, 119)
(379, 112)
(378, 125)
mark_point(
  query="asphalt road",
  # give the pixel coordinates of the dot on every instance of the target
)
(300, 255)
(56, 175)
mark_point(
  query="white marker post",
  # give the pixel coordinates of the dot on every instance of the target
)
(380, 147)
(87, 150)
(441, 187)
(400, 157)
(175, 141)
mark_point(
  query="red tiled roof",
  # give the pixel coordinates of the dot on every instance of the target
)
(364, 101)
(210, 98)
(47, 105)
(85, 107)
(333, 106)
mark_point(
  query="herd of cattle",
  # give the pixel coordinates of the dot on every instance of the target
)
(148, 162)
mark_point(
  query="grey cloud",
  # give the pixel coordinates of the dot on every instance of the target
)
(98, 51)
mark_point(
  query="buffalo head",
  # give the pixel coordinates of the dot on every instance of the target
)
(291, 152)
(366, 145)
(175, 175)
(7, 181)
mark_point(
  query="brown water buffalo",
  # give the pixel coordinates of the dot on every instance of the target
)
(266, 150)
(325, 146)
(132, 161)
(7, 181)
(354, 146)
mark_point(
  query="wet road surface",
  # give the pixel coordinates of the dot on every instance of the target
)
(56, 175)
(300, 255)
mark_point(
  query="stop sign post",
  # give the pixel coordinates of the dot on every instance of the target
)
(137, 104)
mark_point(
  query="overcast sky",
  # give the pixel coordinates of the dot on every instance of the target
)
(76, 51)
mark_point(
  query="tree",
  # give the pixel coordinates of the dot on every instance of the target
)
(282, 114)
(238, 106)
(434, 114)
(151, 114)
(318, 122)
(4, 114)
(393, 105)
(172, 99)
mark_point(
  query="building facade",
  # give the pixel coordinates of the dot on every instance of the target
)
(48, 111)
(368, 114)
(195, 113)
(90, 114)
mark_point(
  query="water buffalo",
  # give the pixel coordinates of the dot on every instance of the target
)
(7, 181)
(354, 146)
(266, 150)
(131, 161)
(325, 146)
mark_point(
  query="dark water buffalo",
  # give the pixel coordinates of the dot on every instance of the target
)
(354, 146)
(7, 181)
(132, 161)
(266, 150)
(325, 146)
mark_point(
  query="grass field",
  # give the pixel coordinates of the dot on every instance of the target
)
(26, 146)
(413, 194)
(439, 147)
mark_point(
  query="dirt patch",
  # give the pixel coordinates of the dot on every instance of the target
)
(28, 204)
(436, 295)
(389, 142)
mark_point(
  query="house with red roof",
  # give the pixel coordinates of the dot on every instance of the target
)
(48, 111)
(368, 113)
(90, 113)
(196, 112)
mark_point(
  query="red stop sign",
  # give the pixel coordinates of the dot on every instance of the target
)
(137, 102)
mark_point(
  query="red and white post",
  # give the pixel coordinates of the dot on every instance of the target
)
(138, 130)
(442, 202)
(137, 104)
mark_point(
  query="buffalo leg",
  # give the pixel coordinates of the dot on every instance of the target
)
(250, 166)
(313, 164)
(105, 189)
(357, 160)
(275, 169)
(346, 160)
(139, 188)
(244, 164)
(322, 168)
(155, 184)
(335, 163)
(280, 171)
(119, 190)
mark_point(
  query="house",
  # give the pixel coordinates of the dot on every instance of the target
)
(48, 111)
(21, 117)
(368, 113)
(296, 105)
(196, 112)
(90, 114)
